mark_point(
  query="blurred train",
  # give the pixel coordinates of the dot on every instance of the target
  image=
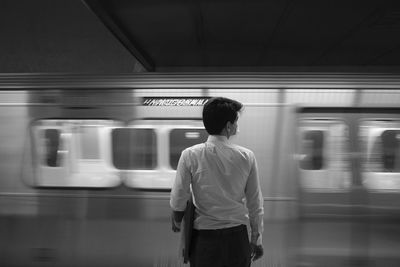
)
(87, 163)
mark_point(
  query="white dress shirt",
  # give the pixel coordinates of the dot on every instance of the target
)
(225, 185)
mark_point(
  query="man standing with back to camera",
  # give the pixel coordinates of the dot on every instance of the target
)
(226, 193)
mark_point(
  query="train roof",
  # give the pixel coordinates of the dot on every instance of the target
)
(201, 80)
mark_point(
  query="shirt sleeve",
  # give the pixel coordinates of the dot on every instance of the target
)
(255, 203)
(180, 192)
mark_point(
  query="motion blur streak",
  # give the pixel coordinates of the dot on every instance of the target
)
(85, 174)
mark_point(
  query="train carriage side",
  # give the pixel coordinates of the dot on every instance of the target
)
(349, 197)
(86, 173)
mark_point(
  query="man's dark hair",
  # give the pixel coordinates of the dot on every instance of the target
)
(218, 111)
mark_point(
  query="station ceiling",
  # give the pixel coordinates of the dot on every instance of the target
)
(255, 35)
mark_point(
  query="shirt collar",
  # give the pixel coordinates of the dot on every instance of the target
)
(218, 139)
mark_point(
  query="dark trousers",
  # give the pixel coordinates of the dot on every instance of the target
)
(227, 247)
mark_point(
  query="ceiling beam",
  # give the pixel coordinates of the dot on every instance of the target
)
(118, 32)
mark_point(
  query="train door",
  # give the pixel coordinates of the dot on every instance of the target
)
(379, 143)
(348, 161)
(324, 150)
(326, 184)
(74, 153)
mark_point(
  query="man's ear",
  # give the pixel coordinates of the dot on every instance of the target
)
(228, 126)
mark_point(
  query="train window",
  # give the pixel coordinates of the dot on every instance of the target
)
(313, 145)
(74, 153)
(134, 148)
(323, 155)
(390, 150)
(380, 145)
(52, 147)
(154, 149)
(179, 139)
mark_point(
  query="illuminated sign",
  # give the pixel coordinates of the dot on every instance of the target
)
(174, 101)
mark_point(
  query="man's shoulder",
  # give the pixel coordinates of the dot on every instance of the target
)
(244, 150)
(194, 148)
